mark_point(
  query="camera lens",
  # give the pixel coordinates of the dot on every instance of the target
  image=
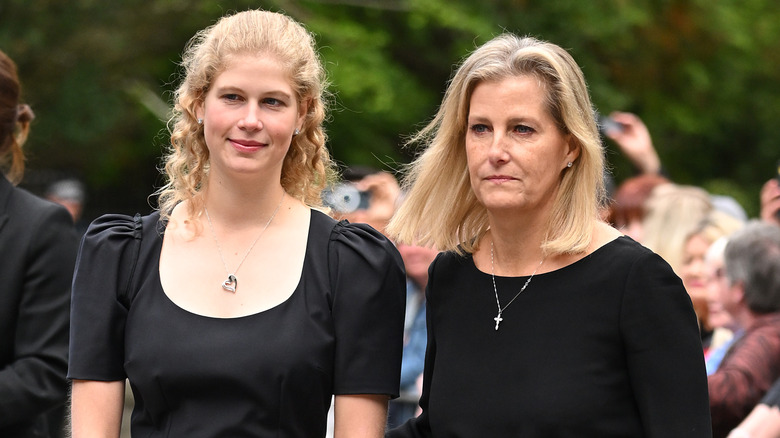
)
(344, 198)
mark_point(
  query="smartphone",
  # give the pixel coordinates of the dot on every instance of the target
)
(346, 198)
(608, 124)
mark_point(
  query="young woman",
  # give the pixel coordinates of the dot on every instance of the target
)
(243, 309)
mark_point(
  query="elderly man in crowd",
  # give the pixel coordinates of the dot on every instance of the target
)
(751, 294)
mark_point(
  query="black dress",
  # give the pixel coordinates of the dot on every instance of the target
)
(267, 374)
(605, 347)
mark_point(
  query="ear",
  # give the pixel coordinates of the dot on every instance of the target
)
(573, 150)
(737, 292)
(200, 110)
(303, 110)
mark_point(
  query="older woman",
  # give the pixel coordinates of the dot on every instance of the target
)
(542, 320)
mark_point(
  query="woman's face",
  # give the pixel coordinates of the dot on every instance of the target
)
(717, 287)
(694, 271)
(249, 116)
(514, 149)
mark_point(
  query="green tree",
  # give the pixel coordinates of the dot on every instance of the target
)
(704, 75)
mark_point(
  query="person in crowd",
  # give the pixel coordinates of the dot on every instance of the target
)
(542, 320)
(38, 246)
(376, 192)
(770, 201)
(417, 260)
(71, 194)
(673, 212)
(725, 330)
(627, 208)
(239, 308)
(751, 295)
(696, 273)
(630, 133)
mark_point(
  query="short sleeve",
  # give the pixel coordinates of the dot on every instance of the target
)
(99, 306)
(368, 285)
(663, 351)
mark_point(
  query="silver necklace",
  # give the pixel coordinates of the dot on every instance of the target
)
(498, 317)
(231, 284)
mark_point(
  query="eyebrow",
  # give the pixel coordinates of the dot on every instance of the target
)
(235, 89)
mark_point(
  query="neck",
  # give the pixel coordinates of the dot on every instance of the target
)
(517, 244)
(237, 206)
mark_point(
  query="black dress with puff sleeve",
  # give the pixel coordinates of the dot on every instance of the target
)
(267, 374)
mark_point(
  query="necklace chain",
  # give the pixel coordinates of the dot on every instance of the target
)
(498, 317)
(231, 284)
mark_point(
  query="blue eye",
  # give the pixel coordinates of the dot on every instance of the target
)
(523, 129)
(231, 97)
(479, 128)
(272, 102)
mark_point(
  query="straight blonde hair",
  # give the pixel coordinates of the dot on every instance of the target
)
(440, 208)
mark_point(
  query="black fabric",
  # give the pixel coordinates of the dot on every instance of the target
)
(267, 374)
(772, 397)
(38, 245)
(605, 347)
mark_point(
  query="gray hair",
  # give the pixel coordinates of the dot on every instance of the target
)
(752, 258)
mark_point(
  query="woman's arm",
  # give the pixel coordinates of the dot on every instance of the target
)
(96, 408)
(358, 416)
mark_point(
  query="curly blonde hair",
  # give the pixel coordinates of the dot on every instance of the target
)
(307, 167)
(15, 121)
(441, 209)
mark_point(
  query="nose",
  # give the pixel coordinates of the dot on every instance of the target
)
(251, 120)
(498, 152)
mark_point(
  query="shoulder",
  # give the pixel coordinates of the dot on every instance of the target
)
(29, 208)
(114, 233)
(450, 260)
(765, 326)
(120, 226)
(360, 236)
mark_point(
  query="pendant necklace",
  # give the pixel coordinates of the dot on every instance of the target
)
(498, 317)
(231, 284)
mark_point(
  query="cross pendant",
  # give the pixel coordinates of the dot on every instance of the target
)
(498, 319)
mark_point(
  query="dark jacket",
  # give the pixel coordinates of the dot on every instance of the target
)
(38, 247)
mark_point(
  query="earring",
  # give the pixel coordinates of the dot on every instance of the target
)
(200, 121)
(570, 164)
(297, 131)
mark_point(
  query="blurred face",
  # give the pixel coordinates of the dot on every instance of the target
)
(694, 271)
(634, 229)
(514, 149)
(417, 259)
(717, 291)
(249, 116)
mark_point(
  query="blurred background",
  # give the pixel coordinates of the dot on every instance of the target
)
(704, 75)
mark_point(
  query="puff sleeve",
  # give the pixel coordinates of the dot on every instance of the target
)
(368, 286)
(99, 306)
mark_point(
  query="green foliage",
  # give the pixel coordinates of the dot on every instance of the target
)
(703, 74)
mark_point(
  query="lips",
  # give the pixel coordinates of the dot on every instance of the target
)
(246, 145)
(499, 178)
